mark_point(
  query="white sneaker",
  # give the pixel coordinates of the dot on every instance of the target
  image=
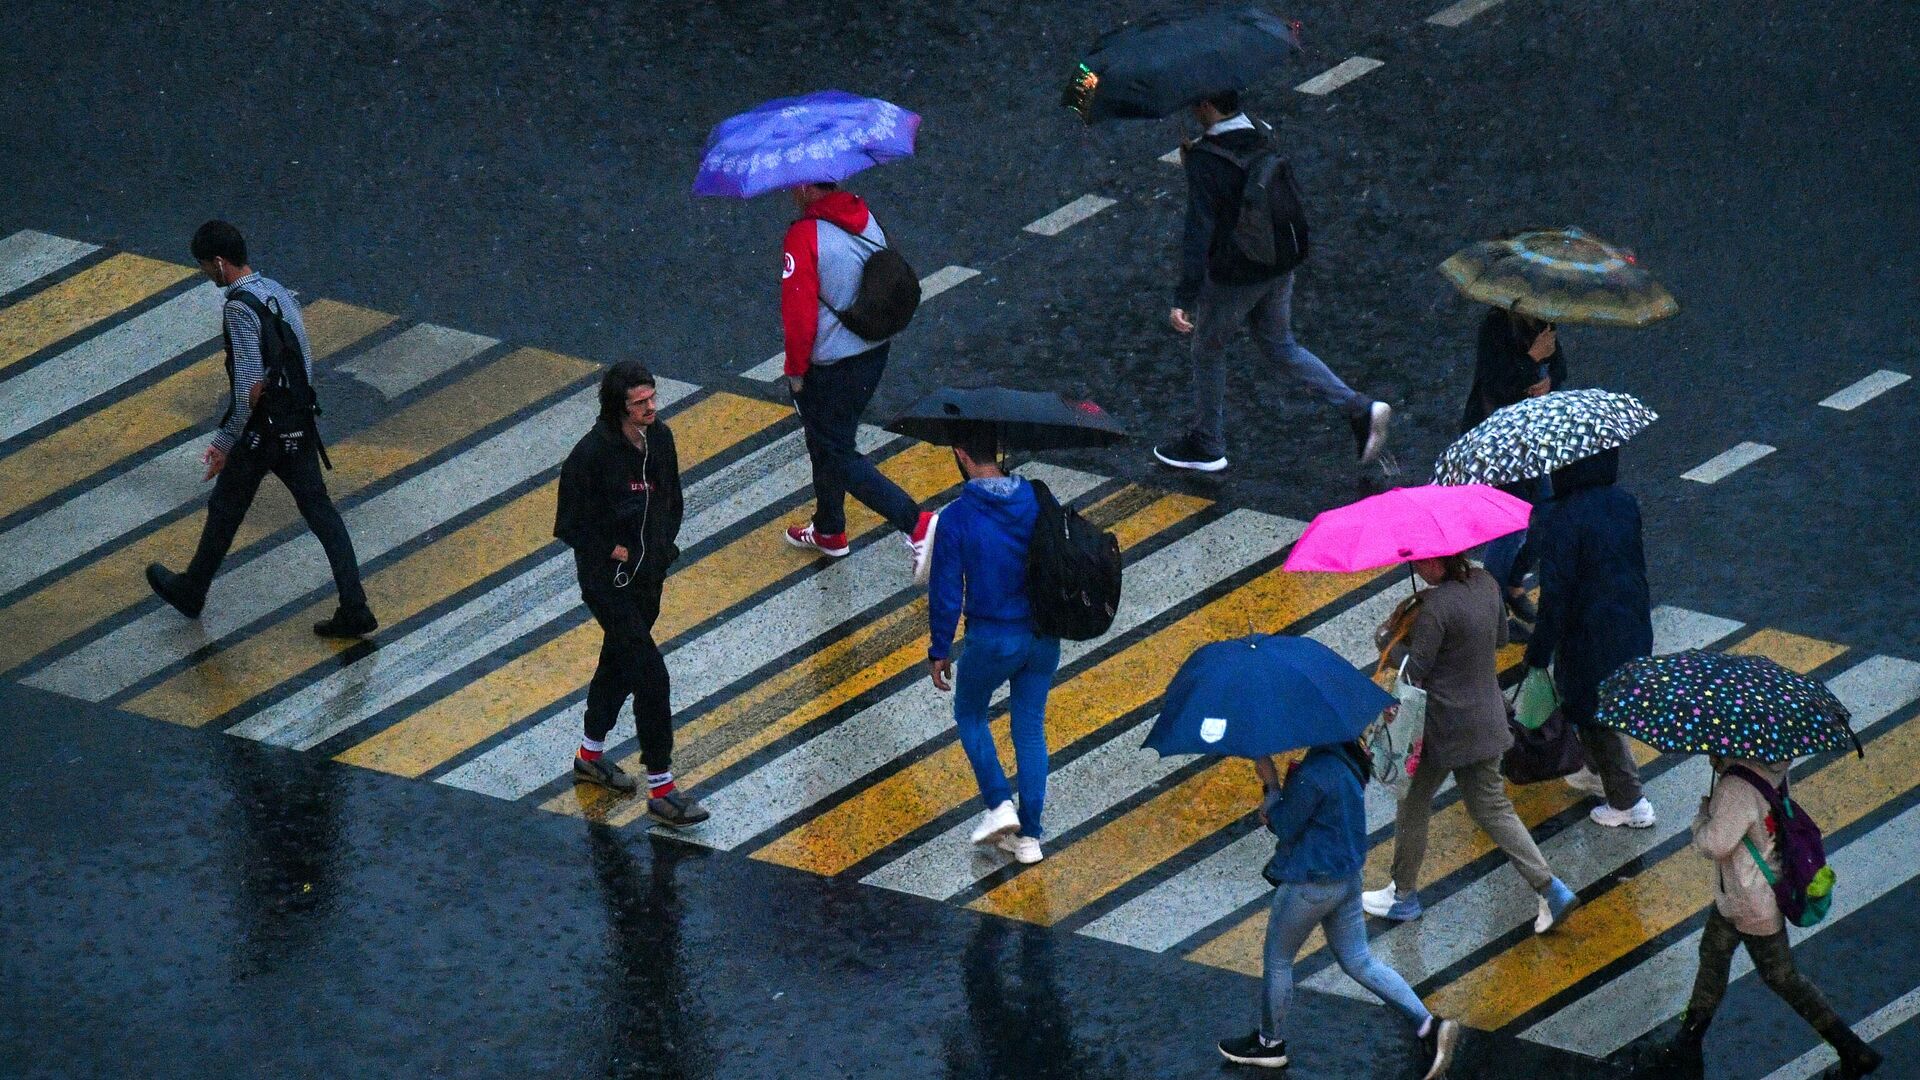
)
(1377, 902)
(1024, 849)
(996, 823)
(920, 545)
(1638, 816)
(1587, 782)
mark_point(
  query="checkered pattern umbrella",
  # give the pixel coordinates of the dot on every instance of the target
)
(1560, 275)
(1700, 702)
(1538, 435)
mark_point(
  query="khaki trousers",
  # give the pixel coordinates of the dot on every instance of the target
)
(1485, 793)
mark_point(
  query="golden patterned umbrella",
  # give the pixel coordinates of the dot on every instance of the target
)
(1560, 275)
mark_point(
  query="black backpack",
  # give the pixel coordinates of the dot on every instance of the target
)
(1073, 572)
(284, 417)
(1271, 229)
(888, 296)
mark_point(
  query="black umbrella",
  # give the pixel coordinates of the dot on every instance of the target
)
(1025, 419)
(1165, 62)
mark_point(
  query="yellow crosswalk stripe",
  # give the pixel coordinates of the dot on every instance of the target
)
(534, 681)
(237, 674)
(840, 672)
(127, 425)
(1672, 890)
(80, 301)
(1802, 654)
(117, 580)
(888, 810)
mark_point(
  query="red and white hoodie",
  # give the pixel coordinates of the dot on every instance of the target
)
(821, 262)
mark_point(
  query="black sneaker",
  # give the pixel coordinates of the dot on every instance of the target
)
(676, 809)
(1370, 431)
(358, 622)
(1858, 1060)
(173, 588)
(605, 773)
(1187, 453)
(1250, 1049)
(1679, 1059)
(1436, 1047)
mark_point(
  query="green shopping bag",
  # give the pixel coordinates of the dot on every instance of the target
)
(1536, 700)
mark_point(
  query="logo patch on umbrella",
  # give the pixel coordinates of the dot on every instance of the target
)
(1213, 729)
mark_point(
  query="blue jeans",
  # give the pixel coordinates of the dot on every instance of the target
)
(1266, 308)
(830, 401)
(990, 656)
(1334, 906)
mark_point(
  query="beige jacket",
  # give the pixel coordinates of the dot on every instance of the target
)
(1737, 811)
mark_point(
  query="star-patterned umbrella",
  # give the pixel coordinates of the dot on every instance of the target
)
(1560, 275)
(1700, 702)
(1535, 436)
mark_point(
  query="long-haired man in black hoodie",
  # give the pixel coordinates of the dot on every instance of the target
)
(620, 509)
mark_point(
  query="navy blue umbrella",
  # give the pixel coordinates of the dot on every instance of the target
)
(1264, 694)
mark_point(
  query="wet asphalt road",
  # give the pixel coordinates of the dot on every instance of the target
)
(521, 170)
(217, 907)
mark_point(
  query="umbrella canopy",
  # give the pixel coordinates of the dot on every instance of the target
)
(819, 138)
(1025, 419)
(1560, 275)
(1538, 435)
(1699, 702)
(1405, 524)
(1168, 61)
(1264, 694)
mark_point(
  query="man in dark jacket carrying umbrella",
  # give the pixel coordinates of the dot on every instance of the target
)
(619, 510)
(1219, 290)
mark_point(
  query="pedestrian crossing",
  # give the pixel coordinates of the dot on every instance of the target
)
(804, 719)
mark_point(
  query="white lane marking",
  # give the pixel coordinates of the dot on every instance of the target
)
(930, 286)
(408, 359)
(1865, 390)
(1883, 1020)
(1721, 466)
(943, 279)
(1459, 14)
(297, 567)
(1224, 882)
(1637, 1001)
(101, 514)
(843, 754)
(755, 637)
(102, 363)
(401, 668)
(1069, 215)
(27, 256)
(1339, 75)
(1171, 157)
(1583, 854)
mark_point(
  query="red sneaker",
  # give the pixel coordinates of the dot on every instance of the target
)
(832, 545)
(921, 544)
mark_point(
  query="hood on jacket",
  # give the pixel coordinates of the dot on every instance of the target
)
(842, 208)
(1008, 501)
(1241, 140)
(1597, 470)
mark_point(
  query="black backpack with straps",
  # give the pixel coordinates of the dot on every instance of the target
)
(1073, 572)
(888, 296)
(285, 415)
(1270, 231)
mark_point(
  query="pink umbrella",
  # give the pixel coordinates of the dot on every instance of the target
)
(1405, 524)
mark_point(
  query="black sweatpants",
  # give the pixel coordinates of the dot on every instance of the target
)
(631, 666)
(233, 492)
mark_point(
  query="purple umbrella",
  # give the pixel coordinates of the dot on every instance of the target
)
(821, 137)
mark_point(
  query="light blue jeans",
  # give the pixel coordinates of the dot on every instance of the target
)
(1334, 906)
(990, 656)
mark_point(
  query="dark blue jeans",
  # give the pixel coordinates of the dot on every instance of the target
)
(233, 492)
(830, 401)
(990, 657)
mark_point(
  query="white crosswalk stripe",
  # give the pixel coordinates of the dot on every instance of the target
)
(414, 357)
(28, 256)
(840, 756)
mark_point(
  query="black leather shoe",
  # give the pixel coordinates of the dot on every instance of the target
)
(173, 588)
(345, 623)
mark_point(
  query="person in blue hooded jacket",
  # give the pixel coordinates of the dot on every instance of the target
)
(980, 567)
(1319, 822)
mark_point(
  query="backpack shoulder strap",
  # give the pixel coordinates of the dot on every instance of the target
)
(1208, 146)
(873, 244)
(1772, 794)
(1042, 493)
(268, 312)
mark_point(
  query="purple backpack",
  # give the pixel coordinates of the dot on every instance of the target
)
(1804, 885)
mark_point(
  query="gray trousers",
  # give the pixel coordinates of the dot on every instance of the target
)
(1266, 308)
(1609, 756)
(1485, 795)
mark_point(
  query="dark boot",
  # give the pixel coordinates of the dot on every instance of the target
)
(1682, 1058)
(176, 590)
(348, 623)
(1856, 1057)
